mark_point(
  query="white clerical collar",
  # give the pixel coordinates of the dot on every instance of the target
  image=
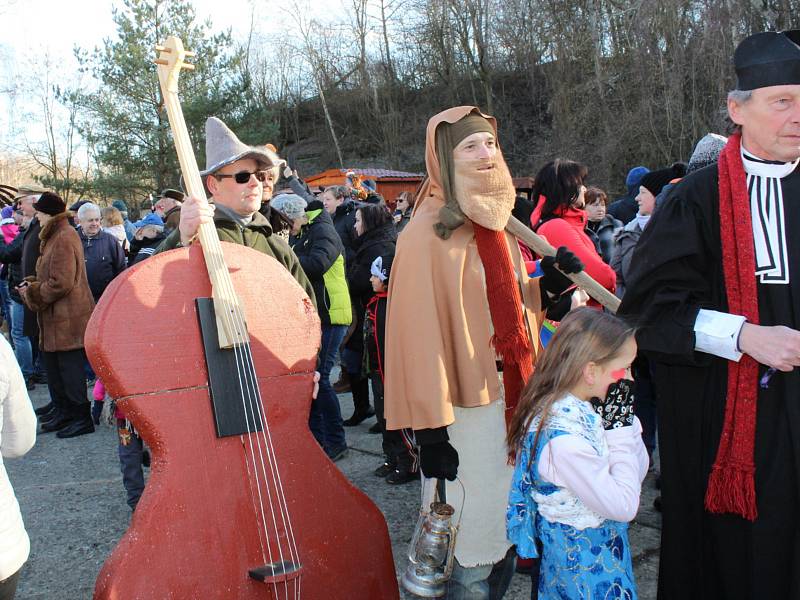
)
(766, 214)
(760, 167)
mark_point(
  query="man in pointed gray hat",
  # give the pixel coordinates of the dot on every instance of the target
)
(235, 175)
(715, 285)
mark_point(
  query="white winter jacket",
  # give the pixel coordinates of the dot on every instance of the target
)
(17, 436)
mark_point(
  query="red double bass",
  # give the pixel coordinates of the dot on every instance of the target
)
(210, 352)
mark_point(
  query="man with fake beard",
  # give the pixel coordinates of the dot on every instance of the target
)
(715, 282)
(462, 309)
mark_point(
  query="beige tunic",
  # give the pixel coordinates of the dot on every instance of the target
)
(478, 435)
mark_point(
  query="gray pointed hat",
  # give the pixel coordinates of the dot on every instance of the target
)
(223, 148)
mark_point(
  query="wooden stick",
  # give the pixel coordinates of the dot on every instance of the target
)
(539, 245)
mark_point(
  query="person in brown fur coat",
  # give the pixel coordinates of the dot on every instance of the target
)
(59, 294)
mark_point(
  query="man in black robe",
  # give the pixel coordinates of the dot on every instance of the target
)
(718, 543)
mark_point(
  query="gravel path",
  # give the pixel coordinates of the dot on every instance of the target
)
(74, 508)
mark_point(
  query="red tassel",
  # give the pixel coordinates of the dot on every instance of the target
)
(732, 490)
(515, 347)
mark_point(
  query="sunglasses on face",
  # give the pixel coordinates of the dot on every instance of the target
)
(244, 176)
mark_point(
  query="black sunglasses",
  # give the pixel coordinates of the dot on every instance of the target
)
(244, 176)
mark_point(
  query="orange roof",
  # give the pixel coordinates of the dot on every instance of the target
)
(337, 176)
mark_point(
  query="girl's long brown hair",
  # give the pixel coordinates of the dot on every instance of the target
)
(585, 335)
(111, 216)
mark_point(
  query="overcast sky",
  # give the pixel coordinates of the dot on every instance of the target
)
(57, 25)
(35, 28)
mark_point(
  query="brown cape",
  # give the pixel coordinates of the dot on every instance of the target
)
(438, 330)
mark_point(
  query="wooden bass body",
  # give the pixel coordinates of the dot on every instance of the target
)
(200, 525)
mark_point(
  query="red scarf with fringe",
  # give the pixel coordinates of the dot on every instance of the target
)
(731, 484)
(510, 338)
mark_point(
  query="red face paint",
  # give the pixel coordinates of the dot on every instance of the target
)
(618, 374)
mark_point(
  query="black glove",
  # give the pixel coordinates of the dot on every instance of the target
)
(554, 281)
(617, 409)
(439, 460)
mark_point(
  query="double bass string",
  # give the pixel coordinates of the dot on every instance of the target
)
(272, 457)
(214, 255)
(245, 387)
(250, 387)
(255, 394)
(241, 368)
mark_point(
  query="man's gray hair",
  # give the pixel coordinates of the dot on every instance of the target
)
(740, 96)
(339, 191)
(89, 207)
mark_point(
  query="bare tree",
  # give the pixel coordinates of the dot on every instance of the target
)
(315, 62)
(49, 135)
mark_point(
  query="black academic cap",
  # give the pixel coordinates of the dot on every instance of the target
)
(767, 59)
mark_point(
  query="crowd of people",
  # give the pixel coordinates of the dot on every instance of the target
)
(436, 317)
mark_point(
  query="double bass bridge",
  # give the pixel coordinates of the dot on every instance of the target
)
(276, 572)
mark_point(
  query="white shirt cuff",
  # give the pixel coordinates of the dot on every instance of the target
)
(717, 333)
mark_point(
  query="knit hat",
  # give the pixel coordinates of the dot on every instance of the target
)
(7, 213)
(120, 206)
(374, 198)
(292, 205)
(174, 194)
(634, 178)
(151, 219)
(706, 151)
(767, 59)
(50, 204)
(224, 148)
(656, 180)
(369, 185)
(381, 268)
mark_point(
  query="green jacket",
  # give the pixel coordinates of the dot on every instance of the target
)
(256, 235)
(340, 309)
(319, 249)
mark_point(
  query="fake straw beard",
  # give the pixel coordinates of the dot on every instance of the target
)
(485, 195)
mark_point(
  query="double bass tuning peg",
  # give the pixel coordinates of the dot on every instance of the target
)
(168, 50)
(161, 61)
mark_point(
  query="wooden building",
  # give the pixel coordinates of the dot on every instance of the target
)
(388, 183)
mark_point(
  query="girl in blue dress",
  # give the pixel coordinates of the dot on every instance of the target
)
(580, 461)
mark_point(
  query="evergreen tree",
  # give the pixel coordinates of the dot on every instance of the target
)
(127, 123)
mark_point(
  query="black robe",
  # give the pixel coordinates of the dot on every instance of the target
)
(677, 270)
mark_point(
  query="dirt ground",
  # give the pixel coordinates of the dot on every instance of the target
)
(73, 503)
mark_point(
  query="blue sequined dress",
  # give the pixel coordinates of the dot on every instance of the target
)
(584, 556)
